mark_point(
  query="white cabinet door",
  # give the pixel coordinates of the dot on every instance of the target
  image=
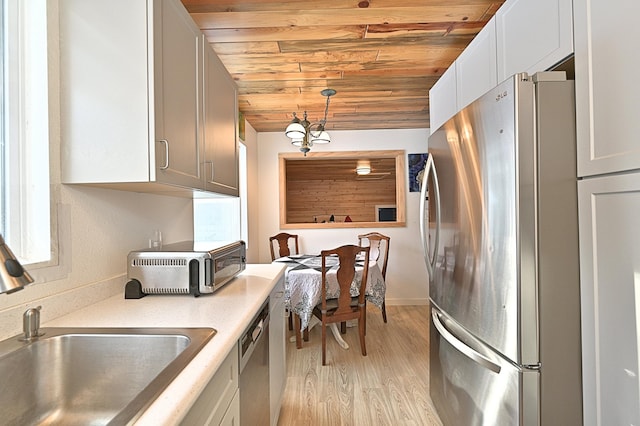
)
(533, 35)
(178, 80)
(232, 416)
(610, 292)
(277, 350)
(221, 125)
(607, 93)
(219, 399)
(476, 67)
(443, 97)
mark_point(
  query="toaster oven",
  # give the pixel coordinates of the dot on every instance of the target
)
(183, 268)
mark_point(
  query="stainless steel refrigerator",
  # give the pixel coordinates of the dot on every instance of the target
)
(500, 234)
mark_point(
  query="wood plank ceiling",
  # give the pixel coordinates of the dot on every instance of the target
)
(381, 56)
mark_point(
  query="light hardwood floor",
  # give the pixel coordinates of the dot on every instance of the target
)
(389, 386)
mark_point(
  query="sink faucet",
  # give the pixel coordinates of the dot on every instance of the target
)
(31, 324)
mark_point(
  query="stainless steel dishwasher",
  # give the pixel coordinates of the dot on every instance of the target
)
(254, 370)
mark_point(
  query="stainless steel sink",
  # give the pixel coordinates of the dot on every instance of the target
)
(91, 376)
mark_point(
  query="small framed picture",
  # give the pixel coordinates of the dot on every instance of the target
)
(417, 163)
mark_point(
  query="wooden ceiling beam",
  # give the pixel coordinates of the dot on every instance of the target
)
(337, 32)
(346, 17)
(196, 6)
(425, 41)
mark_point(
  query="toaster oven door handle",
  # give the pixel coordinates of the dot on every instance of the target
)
(194, 277)
(208, 272)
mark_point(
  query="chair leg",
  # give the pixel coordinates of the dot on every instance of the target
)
(384, 312)
(364, 318)
(291, 320)
(361, 332)
(306, 334)
(343, 327)
(324, 343)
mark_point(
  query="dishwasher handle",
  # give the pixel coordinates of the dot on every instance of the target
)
(257, 331)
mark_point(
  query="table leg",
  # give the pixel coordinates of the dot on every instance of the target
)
(314, 321)
(338, 336)
(296, 327)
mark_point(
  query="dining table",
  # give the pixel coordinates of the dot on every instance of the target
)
(303, 291)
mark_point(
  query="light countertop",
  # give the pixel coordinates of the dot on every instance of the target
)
(228, 310)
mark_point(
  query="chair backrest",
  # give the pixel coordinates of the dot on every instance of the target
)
(379, 248)
(347, 256)
(282, 239)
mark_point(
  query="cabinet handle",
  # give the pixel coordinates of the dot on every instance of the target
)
(166, 153)
(212, 170)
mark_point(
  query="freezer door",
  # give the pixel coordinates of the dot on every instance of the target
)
(472, 385)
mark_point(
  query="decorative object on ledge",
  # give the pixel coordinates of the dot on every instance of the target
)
(304, 134)
(13, 277)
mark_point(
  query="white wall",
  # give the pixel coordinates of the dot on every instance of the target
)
(253, 189)
(407, 281)
(97, 229)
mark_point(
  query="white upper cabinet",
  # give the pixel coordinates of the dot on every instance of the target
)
(476, 66)
(220, 127)
(533, 35)
(443, 103)
(524, 36)
(177, 82)
(607, 93)
(132, 96)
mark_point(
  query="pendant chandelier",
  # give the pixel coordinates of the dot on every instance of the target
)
(304, 134)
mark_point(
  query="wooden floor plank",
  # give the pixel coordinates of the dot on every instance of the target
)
(389, 386)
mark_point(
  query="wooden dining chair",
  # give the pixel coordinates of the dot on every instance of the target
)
(283, 240)
(345, 307)
(284, 249)
(380, 253)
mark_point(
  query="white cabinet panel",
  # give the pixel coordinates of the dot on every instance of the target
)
(100, 140)
(221, 126)
(219, 399)
(610, 292)
(277, 350)
(443, 97)
(476, 67)
(533, 35)
(607, 93)
(232, 416)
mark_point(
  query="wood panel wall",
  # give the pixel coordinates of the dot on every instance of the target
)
(310, 201)
(321, 184)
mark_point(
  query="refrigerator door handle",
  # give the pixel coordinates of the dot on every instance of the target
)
(430, 261)
(462, 347)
